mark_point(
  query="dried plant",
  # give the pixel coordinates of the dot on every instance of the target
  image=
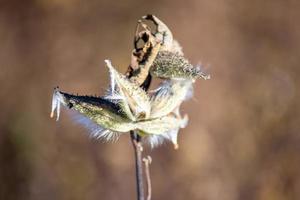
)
(152, 117)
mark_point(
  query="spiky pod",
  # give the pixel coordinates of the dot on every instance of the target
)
(172, 65)
(101, 111)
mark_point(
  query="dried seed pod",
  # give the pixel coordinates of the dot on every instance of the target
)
(136, 98)
(174, 66)
(101, 111)
(142, 57)
(140, 73)
(164, 35)
(162, 32)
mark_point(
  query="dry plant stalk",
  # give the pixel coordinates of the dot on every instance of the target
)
(151, 117)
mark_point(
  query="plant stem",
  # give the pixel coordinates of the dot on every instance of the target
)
(136, 141)
(138, 149)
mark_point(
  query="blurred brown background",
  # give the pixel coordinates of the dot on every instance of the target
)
(242, 141)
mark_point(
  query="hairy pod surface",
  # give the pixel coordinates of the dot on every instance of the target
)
(101, 111)
(136, 98)
(172, 65)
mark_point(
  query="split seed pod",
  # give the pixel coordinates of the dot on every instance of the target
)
(136, 98)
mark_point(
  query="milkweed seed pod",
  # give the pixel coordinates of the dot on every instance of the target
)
(175, 66)
(145, 50)
(136, 98)
(169, 61)
(107, 120)
(169, 96)
(140, 64)
(143, 56)
(101, 111)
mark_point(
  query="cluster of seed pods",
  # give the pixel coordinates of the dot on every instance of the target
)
(154, 115)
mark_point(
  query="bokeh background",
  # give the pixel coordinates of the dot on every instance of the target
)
(242, 141)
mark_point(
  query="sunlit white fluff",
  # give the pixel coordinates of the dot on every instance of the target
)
(202, 74)
(112, 93)
(169, 95)
(169, 133)
(57, 100)
(156, 140)
(95, 130)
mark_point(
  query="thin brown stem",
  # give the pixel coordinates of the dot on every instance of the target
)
(138, 149)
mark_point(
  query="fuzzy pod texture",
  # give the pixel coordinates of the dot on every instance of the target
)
(135, 101)
(101, 111)
(172, 65)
